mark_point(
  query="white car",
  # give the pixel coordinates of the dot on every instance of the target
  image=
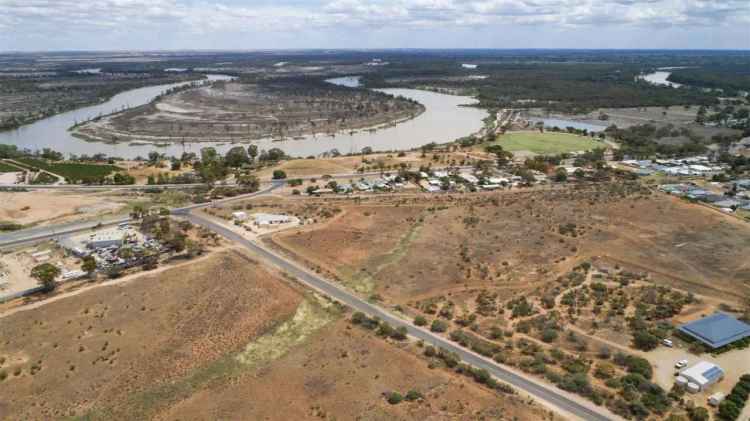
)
(681, 364)
(667, 343)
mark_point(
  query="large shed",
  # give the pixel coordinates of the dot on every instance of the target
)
(702, 375)
(716, 330)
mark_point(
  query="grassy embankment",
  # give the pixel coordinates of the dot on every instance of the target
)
(8, 168)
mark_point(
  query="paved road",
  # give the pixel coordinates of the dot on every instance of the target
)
(49, 232)
(31, 235)
(331, 289)
(99, 187)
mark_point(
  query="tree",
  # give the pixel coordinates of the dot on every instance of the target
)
(236, 157)
(193, 248)
(698, 413)
(561, 174)
(45, 274)
(420, 321)
(88, 265)
(279, 175)
(549, 335)
(249, 181)
(177, 242)
(138, 212)
(502, 156)
(644, 340)
(252, 152)
(728, 410)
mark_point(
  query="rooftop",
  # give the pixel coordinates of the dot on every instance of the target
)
(717, 330)
(703, 372)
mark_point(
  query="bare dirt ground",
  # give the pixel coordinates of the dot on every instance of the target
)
(509, 267)
(520, 239)
(46, 207)
(141, 170)
(368, 163)
(122, 351)
(243, 111)
(343, 373)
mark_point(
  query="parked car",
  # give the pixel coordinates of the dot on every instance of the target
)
(667, 343)
(681, 364)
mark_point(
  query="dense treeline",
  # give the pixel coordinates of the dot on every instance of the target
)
(562, 87)
(646, 140)
(728, 77)
(25, 100)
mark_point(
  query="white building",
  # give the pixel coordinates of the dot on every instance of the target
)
(469, 178)
(267, 219)
(239, 216)
(700, 376)
(106, 238)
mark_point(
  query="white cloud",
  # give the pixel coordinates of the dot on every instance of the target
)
(74, 18)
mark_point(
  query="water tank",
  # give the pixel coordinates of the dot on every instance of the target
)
(693, 388)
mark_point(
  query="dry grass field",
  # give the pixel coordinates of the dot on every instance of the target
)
(46, 207)
(223, 339)
(515, 241)
(122, 352)
(343, 373)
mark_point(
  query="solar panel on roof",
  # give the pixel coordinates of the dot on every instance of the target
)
(713, 373)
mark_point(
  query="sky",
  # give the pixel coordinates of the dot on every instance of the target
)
(49, 25)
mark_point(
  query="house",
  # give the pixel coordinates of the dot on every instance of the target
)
(727, 204)
(267, 219)
(716, 330)
(239, 216)
(469, 178)
(700, 376)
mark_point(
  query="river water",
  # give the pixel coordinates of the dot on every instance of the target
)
(444, 120)
(660, 77)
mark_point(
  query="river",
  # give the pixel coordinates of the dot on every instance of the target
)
(444, 120)
(660, 76)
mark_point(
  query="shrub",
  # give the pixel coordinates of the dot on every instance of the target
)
(358, 317)
(439, 326)
(698, 413)
(413, 395)
(394, 398)
(399, 334)
(420, 321)
(279, 175)
(549, 335)
(430, 351)
(604, 371)
(385, 330)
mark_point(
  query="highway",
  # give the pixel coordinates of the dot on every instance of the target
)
(557, 398)
(31, 235)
